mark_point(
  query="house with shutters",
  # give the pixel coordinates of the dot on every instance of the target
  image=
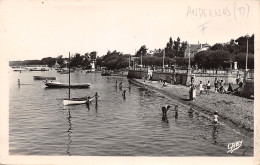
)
(195, 48)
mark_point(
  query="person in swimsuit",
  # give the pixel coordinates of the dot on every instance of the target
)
(215, 118)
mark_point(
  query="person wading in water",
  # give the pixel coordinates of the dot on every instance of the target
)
(123, 94)
(164, 112)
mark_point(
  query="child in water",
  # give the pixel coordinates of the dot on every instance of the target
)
(215, 119)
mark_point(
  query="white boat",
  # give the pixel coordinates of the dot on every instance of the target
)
(74, 101)
(56, 84)
(19, 69)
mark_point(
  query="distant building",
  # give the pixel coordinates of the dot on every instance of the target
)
(56, 65)
(93, 65)
(195, 48)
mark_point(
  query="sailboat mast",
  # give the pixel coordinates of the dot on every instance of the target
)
(69, 75)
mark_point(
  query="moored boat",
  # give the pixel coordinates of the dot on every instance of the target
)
(106, 72)
(52, 84)
(44, 78)
(19, 69)
(74, 101)
(36, 69)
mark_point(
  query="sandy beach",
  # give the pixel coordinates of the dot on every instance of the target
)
(238, 112)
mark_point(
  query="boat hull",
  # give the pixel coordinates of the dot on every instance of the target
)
(44, 78)
(75, 101)
(19, 70)
(38, 69)
(66, 85)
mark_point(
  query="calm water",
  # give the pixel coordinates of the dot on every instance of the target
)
(40, 125)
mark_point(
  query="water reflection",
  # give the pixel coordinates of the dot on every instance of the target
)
(215, 134)
(69, 132)
(165, 119)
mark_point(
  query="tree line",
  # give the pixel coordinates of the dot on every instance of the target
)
(221, 54)
(218, 56)
(76, 60)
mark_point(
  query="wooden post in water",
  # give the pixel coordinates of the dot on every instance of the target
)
(163, 60)
(69, 75)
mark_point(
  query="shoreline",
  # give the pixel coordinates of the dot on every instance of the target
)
(237, 112)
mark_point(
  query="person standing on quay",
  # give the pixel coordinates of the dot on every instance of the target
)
(208, 87)
(216, 85)
(201, 87)
(192, 92)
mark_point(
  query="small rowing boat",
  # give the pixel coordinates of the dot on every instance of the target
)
(74, 101)
(19, 69)
(36, 69)
(43, 78)
(51, 84)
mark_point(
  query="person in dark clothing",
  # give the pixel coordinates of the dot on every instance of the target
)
(176, 111)
(123, 94)
(165, 109)
(120, 85)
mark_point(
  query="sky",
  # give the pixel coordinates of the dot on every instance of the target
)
(34, 29)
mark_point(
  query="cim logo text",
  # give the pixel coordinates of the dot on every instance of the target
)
(234, 146)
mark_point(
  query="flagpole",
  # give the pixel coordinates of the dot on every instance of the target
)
(189, 55)
(163, 58)
(129, 60)
(141, 60)
(69, 75)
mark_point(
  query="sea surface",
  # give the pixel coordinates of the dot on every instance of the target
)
(39, 124)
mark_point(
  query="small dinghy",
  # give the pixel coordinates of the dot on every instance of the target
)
(56, 84)
(43, 78)
(74, 101)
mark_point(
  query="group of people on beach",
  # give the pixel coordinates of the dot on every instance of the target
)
(219, 87)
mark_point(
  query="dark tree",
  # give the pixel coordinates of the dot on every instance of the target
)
(169, 52)
(142, 50)
(242, 43)
(217, 46)
(176, 47)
